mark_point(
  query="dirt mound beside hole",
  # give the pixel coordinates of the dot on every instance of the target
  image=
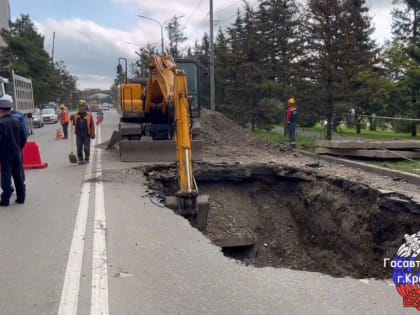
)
(225, 138)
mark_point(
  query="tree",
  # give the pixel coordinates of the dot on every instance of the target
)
(326, 51)
(406, 19)
(62, 83)
(221, 68)
(244, 72)
(279, 29)
(201, 52)
(176, 36)
(339, 47)
(141, 65)
(26, 55)
(280, 41)
(397, 64)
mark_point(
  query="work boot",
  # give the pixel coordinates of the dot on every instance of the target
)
(20, 200)
(4, 203)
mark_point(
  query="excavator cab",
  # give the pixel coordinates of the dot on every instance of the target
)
(193, 71)
(146, 106)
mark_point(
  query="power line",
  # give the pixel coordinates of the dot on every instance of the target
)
(196, 8)
(218, 21)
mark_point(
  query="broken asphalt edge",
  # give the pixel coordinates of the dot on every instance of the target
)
(408, 177)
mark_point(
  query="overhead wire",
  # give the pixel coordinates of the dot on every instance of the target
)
(218, 21)
(195, 10)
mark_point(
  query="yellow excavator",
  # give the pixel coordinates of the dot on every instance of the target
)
(156, 125)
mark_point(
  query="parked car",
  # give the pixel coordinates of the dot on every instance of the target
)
(49, 115)
(37, 120)
(106, 106)
(51, 105)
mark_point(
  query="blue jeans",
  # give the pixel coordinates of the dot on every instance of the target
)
(291, 130)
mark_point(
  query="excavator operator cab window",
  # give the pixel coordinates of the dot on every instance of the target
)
(191, 69)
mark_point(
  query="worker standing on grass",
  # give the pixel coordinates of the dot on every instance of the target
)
(12, 141)
(84, 129)
(64, 120)
(291, 119)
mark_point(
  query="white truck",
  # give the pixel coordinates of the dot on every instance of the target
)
(18, 90)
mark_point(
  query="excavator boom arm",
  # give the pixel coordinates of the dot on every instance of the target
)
(183, 136)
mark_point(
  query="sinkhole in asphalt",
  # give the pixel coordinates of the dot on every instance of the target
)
(269, 216)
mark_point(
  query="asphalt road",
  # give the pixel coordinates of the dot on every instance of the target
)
(89, 241)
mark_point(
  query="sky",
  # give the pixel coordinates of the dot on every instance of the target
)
(91, 35)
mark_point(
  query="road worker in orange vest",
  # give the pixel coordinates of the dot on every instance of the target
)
(64, 120)
(291, 118)
(84, 129)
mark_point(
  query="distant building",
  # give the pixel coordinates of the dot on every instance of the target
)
(4, 18)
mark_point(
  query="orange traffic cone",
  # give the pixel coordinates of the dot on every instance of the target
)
(59, 135)
(32, 156)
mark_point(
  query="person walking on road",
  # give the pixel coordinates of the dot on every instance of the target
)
(291, 118)
(12, 141)
(99, 117)
(64, 120)
(84, 129)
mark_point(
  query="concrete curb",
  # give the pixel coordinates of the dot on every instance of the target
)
(408, 177)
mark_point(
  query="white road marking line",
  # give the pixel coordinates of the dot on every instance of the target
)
(70, 295)
(99, 302)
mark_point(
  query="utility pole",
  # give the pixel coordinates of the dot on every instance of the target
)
(53, 44)
(212, 90)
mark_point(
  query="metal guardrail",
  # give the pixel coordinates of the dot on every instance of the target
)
(391, 118)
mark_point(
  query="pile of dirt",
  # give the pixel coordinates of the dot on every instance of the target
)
(225, 140)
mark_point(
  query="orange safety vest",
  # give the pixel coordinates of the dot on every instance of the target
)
(90, 124)
(64, 116)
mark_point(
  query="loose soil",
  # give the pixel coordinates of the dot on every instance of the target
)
(301, 213)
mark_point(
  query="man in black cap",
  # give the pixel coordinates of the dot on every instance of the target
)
(12, 141)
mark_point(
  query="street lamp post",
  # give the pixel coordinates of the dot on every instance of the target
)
(212, 80)
(161, 25)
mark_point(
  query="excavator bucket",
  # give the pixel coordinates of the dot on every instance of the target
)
(154, 150)
(198, 218)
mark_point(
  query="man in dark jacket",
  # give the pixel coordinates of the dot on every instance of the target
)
(84, 129)
(12, 141)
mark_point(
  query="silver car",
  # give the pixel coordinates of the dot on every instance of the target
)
(37, 120)
(49, 116)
